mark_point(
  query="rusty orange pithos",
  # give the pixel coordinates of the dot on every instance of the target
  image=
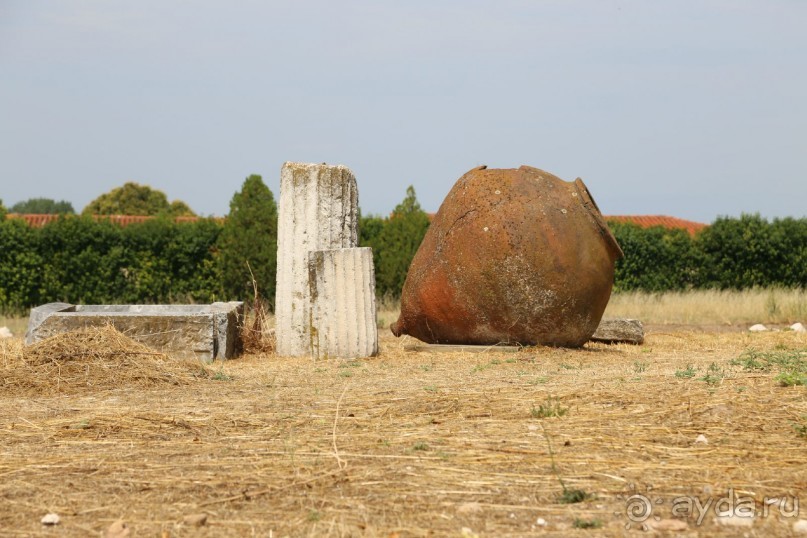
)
(512, 256)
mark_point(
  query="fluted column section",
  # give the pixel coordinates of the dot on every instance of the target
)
(343, 310)
(318, 210)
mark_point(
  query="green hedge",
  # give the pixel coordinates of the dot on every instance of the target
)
(750, 251)
(732, 253)
(656, 259)
(79, 260)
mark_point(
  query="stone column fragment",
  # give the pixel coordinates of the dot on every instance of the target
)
(343, 310)
(318, 210)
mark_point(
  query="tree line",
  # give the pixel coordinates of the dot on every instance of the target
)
(129, 199)
(81, 260)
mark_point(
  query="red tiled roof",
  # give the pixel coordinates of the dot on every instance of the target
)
(648, 221)
(645, 221)
(37, 221)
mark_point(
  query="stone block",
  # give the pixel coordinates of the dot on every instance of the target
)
(343, 311)
(619, 331)
(205, 332)
(318, 210)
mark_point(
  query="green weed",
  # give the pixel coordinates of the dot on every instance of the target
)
(539, 380)
(687, 373)
(791, 364)
(548, 409)
(569, 496)
(221, 376)
(801, 427)
(587, 523)
(714, 374)
(639, 367)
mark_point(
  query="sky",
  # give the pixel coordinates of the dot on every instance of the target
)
(689, 108)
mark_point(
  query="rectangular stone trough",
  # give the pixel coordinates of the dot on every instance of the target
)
(205, 332)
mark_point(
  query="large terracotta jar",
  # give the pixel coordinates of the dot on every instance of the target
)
(512, 256)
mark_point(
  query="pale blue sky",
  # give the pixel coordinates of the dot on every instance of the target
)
(691, 108)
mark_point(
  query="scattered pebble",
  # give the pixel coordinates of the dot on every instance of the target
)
(119, 529)
(195, 520)
(701, 439)
(51, 519)
(5, 333)
(798, 327)
(757, 328)
(674, 525)
(468, 533)
(800, 526)
(541, 522)
(734, 521)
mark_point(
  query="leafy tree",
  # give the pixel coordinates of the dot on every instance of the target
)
(135, 199)
(250, 237)
(3, 210)
(178, 208)
(370, 228)
(43, 206)
(397, 242)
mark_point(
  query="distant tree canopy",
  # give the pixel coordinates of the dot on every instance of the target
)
(43, 206)
(394, 241)
(2, 210)
(135, 199)
(249, 236)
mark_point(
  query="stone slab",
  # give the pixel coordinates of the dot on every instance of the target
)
(619, 331)
(451, 348)
(205, 332)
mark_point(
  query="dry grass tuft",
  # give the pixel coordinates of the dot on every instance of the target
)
(256, 334)
(92, 358)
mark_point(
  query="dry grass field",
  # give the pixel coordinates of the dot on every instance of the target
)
(541, 442)
(713, 308)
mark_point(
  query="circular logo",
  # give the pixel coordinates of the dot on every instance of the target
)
(638, 508)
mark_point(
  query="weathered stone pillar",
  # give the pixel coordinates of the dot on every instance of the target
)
(343, 312)
(318, 210)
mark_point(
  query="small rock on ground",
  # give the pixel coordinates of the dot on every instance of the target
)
(800, 526)
(619, 331)
(51, 519)
(799, 328)
(757, 328)
(5, 332)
